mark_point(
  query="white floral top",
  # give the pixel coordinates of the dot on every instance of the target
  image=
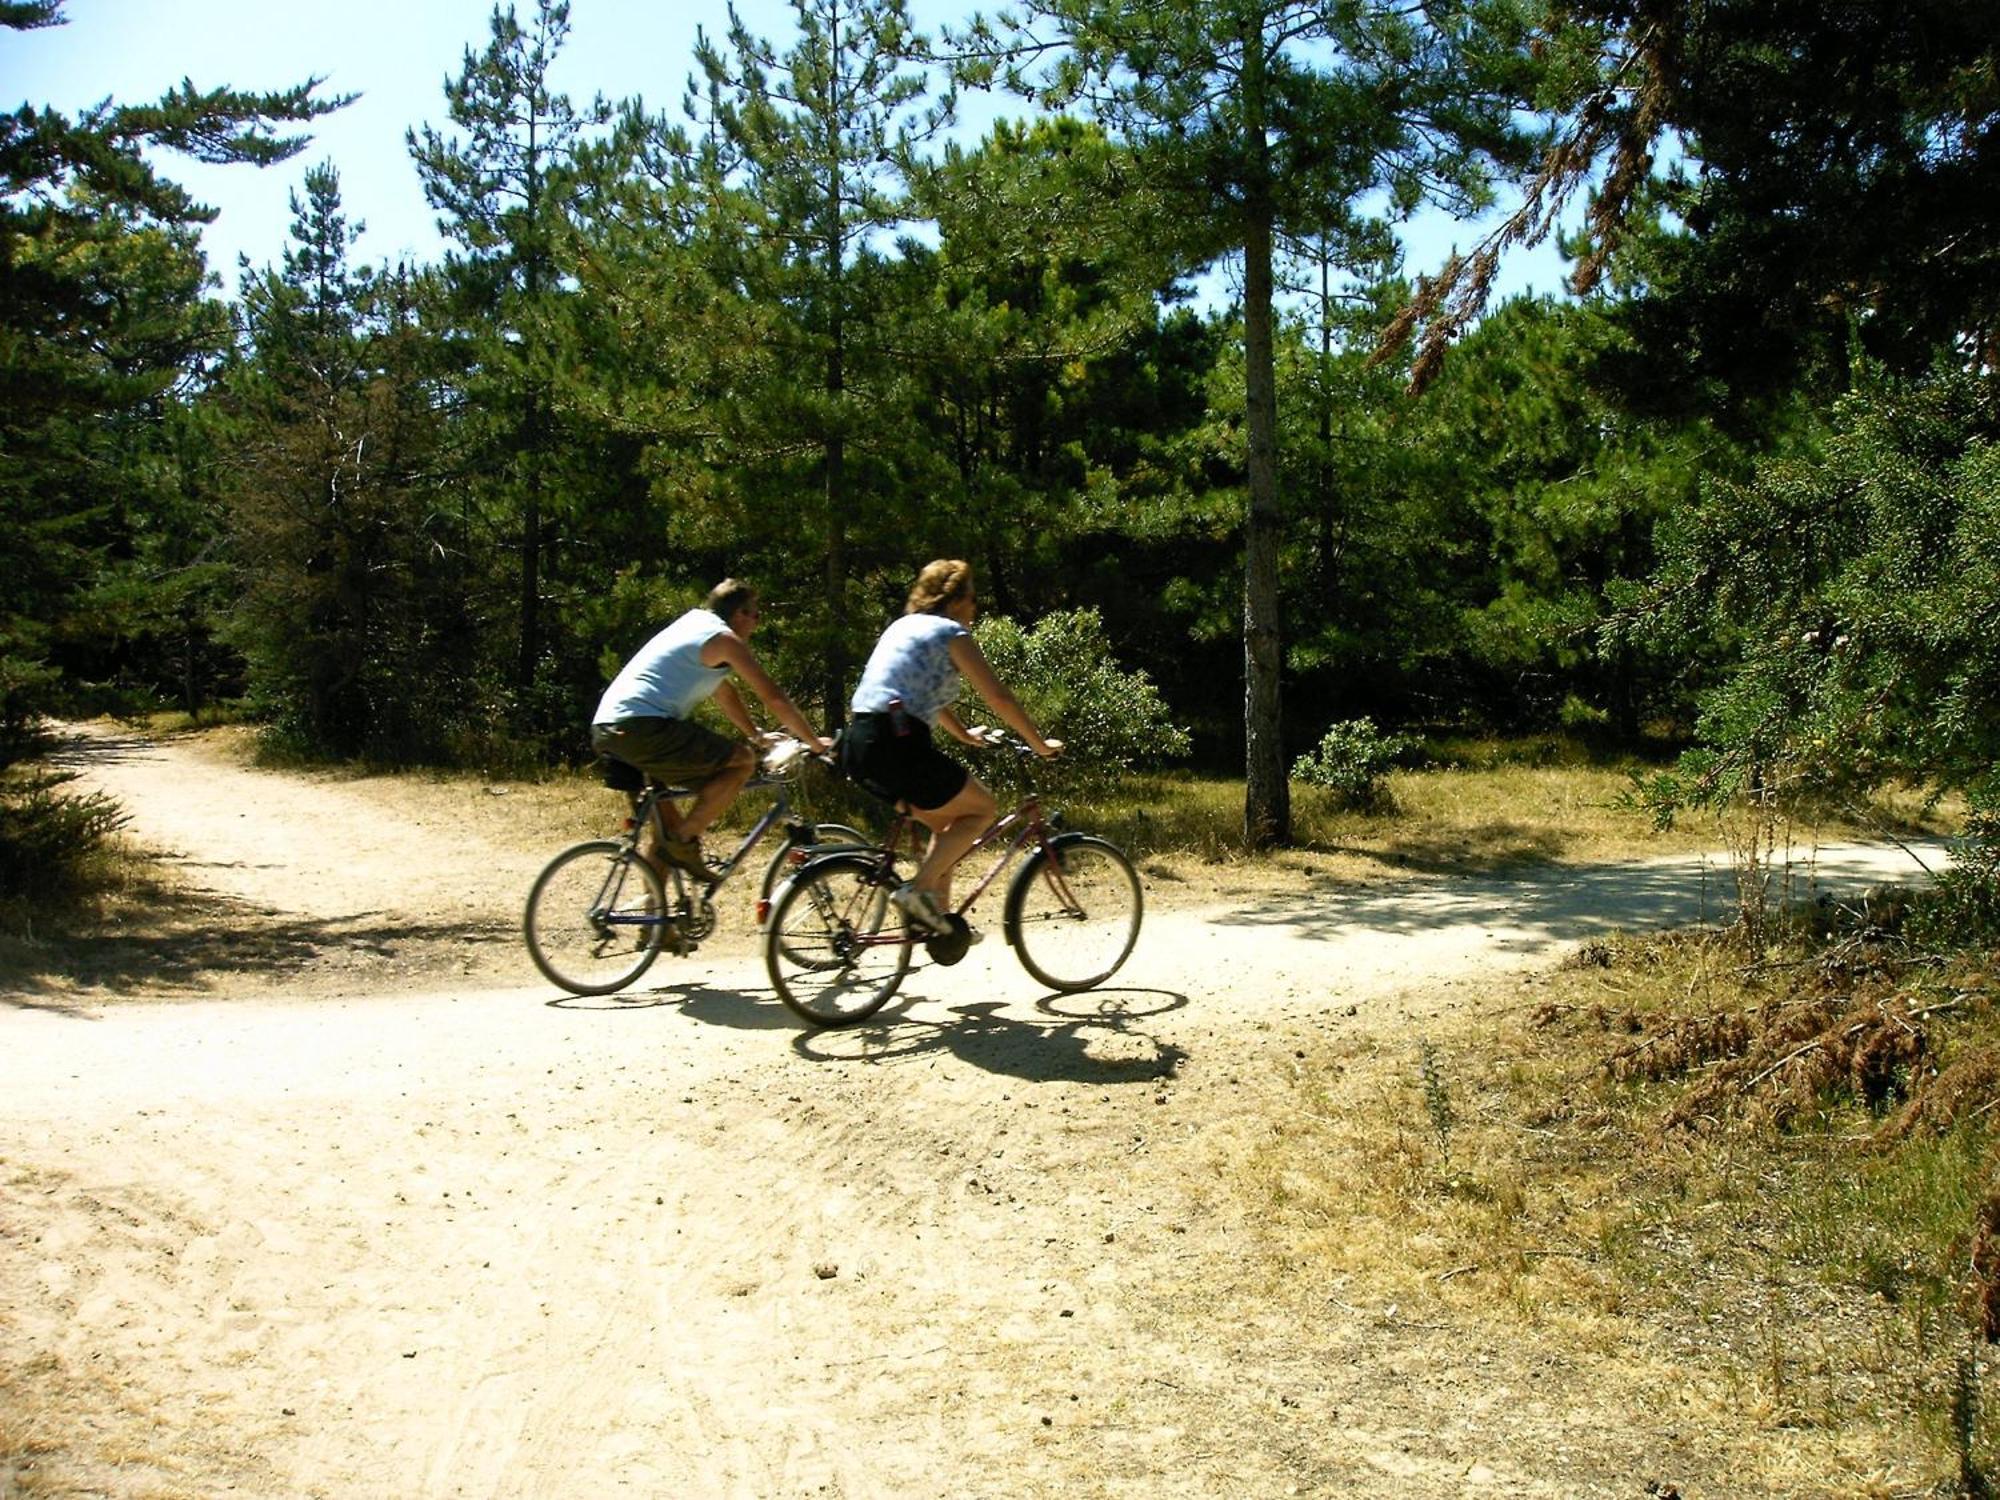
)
(911, 663)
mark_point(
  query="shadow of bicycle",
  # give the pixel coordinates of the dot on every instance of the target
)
(1093, 1038)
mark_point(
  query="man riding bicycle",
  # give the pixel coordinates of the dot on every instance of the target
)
(644, 717)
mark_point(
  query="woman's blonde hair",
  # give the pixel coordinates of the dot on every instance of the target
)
(942, 583)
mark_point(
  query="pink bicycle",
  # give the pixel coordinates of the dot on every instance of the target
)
(837, 948)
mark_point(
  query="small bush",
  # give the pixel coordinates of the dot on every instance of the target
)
(47, 837)
(1962, 909)
(1351, 761)
(1580, 717)
(1065, 675)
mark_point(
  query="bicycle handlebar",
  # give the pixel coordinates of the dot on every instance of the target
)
(1000, 739)
(783, 753)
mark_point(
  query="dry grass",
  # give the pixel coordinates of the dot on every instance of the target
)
(115, 892)
(68, 1429)
(1479, 820)
(1766, 1173)
(1440, 821)
(1485, 806)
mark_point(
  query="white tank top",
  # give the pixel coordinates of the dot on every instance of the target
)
(666, 679)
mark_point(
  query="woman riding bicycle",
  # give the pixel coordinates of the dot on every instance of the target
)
(906, 691)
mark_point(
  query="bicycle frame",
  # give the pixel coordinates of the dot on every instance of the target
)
(1024, 827)
(646, 806)
(1035, 830)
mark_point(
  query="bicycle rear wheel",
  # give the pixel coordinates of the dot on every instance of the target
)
(1073, 912)
(794, 853)
(835, 948)
(596, 918)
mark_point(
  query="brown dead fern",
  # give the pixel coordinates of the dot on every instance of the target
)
(1982, 1282)
(1964, 1090)
(1809, 1052)
(1688, 1043)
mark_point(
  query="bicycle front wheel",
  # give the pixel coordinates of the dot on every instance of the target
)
(835, 948)
(1073, 912)
(596, 918)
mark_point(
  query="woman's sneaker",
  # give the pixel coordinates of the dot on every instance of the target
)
(921, 907)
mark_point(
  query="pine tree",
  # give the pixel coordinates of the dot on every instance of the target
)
(102, 311)
(504, 193)
(1255, 119)
(817, 144)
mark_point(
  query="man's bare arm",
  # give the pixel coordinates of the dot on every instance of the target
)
(732, 651)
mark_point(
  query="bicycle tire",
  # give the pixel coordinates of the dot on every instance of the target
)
(783, 864)
(566, 926)
(1073, 912)
(835, 948)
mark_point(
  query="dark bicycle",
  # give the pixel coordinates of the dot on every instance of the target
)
(599, 914)
(837, 948)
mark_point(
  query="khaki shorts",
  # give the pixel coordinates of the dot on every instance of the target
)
(676, 751)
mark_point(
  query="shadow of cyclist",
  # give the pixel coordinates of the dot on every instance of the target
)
(1090, 1039)
(737, 1009)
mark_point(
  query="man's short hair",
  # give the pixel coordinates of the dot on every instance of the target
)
(729, 596)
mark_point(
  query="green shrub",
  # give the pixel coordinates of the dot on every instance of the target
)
(1351, 761)
(1063, 671)
(1854, 582)
(1580, 717)
(1962, 908)
(47, 836)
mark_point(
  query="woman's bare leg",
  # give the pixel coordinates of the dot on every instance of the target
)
(955, 828)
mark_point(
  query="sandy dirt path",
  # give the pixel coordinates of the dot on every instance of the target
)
(487, 1240)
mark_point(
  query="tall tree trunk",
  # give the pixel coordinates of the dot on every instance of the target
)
(1327, 500)
(531, 554)
(533, 439)
(1267, 805)
(834, 686)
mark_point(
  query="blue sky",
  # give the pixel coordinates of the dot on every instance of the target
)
(397, 54)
